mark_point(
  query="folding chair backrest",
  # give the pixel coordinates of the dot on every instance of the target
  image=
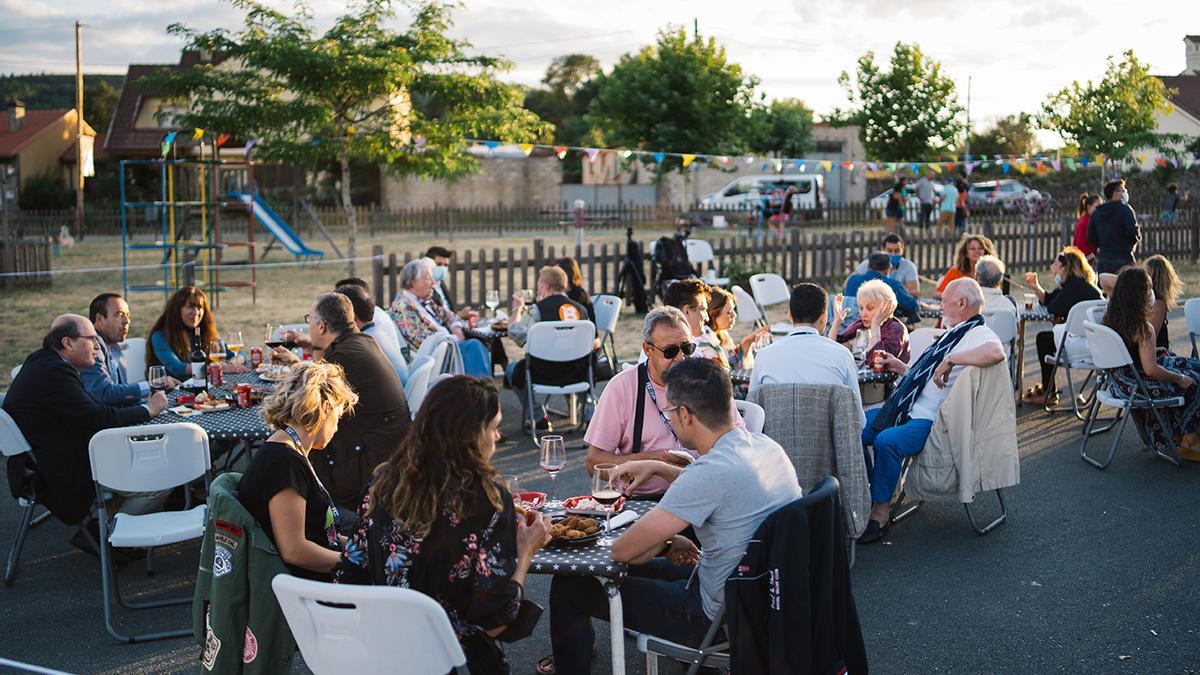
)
(747, 307)
(560, 340)
(920, 339)
(1108, 349)
(1079, 314)
(418, 385)
(342, 628)
(134, 351)
(769, 289)
(608, 311)
(12, 441)
(442, 348)
(699, 251)
(1191, 311)
(753, 415)
(1003, 323)
(1096, 314)
(144, 459)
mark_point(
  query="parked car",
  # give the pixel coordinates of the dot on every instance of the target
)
(995, 192)
(747, 193)
(912, 208)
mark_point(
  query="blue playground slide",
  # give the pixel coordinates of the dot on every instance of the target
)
(286, 236)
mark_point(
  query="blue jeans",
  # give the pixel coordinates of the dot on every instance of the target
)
(891, 447)
(477, 360)
(653, 599)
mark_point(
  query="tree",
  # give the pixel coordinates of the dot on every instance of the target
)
(909, 112)
(1011, 135)
(360, 91)
(784, 127)
(569, 87)
(680, 94)
(1115, 116)
(99, 102)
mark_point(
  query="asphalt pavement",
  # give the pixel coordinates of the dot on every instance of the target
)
(1095, 571)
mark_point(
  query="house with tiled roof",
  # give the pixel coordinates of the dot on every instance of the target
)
(1183, 117)
(33, 143)
(136, 130)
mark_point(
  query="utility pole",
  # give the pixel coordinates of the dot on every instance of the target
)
(696, 29)
(968, 141)
(79, 130)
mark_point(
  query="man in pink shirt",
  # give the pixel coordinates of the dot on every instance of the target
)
(612, 434)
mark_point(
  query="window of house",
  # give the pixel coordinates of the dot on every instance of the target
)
(829, 147)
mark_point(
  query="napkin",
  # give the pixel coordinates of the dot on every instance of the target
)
(622, 519)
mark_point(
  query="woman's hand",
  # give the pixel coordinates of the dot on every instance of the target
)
(532, 536)
(1031, 279)
(840, 311)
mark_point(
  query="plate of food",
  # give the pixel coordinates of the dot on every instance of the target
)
(207, 403)
(588, 506)
(271, 372)
(184, 410)
(532, 501)
(574, 531)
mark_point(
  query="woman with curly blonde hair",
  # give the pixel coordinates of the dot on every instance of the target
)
(444, 524)
(280, 488)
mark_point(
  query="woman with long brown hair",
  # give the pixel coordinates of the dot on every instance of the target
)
(970, 250)
(444, 524)
(722, 315)
(1129, 307)
(1076, 283)
(170, 340)
(1166, 286)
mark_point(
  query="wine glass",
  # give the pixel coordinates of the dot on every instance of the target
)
(274, 337)
(492, 300)
(859, 346)
(216, 351)
(527, 296)
(605, 491)
(157, 378)
(554, 458)
(236, 345)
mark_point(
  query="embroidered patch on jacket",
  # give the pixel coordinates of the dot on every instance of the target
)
(250, 649)
(222, 561)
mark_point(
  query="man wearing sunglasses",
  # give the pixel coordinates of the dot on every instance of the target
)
(630, 420)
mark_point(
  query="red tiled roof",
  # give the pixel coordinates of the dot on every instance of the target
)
(35, 123)
(1188, 98)
(123, 137)
(68, 156)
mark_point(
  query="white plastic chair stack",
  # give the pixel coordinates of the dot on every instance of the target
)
(701, 251)
(368, 630)
(559, 342)
(147, 459)
(769, 289)
(747, 307)
(134, 350)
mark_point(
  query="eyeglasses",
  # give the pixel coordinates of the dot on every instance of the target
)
(673, 408)
(671, 351)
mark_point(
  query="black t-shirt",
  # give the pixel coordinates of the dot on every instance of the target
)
(276, 467)
(1073, 291)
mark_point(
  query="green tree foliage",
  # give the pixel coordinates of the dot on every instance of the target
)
(1114, 116)
(359, 91)
(46, 192)
(908, 112)
(680, 94)
(563, 99)
(99, 103)
(1010, 135)
(783, 128)
(50, 92)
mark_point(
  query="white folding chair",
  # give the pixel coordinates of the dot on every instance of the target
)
(1191, 312)
(1072, 354)
(769, 289)
(418, 383)
(1003, 323)
(747, 307)
(446, 361)
(134, 351)
(700, 251)
(1109, 353)
(752, 414)
(146, 459)
(608, 312)
(368, 630)
(558, 342)
(920, 339)
(13, 443)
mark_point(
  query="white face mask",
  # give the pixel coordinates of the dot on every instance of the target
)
(1058, 279)
(1152, 299)
(439, 272)
(1125, 196)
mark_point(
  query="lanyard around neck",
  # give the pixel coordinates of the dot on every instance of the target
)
(665, 420)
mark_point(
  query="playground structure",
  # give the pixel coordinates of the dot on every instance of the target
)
(200, 202)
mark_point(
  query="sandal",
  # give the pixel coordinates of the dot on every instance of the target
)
(545, 665)
(1034, 394)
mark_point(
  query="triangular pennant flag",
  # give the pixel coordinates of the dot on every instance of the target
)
(1022, 167)
(1071, 164)
(1174, 163)
(560, 150)
(935, 168)
(1056, 164)
(778, 165)
(766, 165)
(197, 134)
(1005, 167)
(1083, 162)
(687, 159)
(222, 139)
(591, 153)
(970, 167)
(491, 145)
(872, 166)
(658, 157)
(1040, 166)
(916, 168)
(950, 166)
(1160, 161)
(167, 141)
(849, 166)
(249, 146)
(801, 165)
(985, 165)
(526, 148)
(826, 164)
(625, 154)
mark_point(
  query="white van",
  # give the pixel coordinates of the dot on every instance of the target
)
(746, 192)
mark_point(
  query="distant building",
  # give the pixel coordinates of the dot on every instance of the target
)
(1184, 116)
(34, 143)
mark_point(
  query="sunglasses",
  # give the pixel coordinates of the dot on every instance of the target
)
(671, 351)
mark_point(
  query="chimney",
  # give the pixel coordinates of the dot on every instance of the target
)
(1192, 50)
(16, 115)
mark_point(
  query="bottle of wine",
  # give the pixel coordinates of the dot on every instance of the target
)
(199, 361)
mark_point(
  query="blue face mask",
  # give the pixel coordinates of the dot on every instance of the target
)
(439, 272)
(896, 260)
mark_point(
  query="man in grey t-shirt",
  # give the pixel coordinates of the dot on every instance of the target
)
(739, 480)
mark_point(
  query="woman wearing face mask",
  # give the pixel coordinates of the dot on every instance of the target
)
(970, 250)
(1128, 314)
(1076, 282)
(876, 303)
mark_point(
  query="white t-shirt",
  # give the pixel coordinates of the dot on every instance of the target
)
(932, 396)
(804, 357)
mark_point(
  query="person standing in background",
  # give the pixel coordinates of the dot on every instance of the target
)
(1087, 204)
(925, 194)
(1113, 229)
(1172, 200)
(947, 205)
(960, 205)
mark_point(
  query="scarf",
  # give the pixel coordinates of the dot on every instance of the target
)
(896, 409)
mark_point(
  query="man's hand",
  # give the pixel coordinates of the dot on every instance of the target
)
(157, 403)
(297, 338)
(941, 376)
(233, 367)
(683, 551)
(171, 383)
(636, 472)
(284, 357)
(665, 456)
(894, 364)
(464, 311)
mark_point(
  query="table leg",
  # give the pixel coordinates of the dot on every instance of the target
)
(616, 625)
(1020, 359)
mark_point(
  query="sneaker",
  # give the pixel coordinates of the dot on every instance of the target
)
(542, 424)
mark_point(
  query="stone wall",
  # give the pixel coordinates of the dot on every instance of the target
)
(501, 181)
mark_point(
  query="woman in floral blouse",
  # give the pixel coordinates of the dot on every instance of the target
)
(445, 526)
(419, 316)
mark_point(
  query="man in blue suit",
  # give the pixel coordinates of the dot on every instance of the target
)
(107, 379)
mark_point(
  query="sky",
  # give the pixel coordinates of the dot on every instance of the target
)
(1014, 52)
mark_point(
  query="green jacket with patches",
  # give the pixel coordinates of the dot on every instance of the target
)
(236, 619)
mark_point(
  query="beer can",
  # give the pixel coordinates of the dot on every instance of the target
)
(243, 396)
(215, 378)
(473, 319)
(256, 356)
(879, 360)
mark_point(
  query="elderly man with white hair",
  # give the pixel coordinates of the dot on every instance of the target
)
(900, 428)
(989, 272)
(419, 316)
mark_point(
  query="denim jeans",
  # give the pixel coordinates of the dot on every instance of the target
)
(891, 447)
(655, 598)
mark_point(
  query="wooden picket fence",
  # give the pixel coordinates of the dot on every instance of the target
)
(824, 258)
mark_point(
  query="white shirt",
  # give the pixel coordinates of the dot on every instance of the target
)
(994, 299)
(806, 357)
(387, 336)
(932, 397)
